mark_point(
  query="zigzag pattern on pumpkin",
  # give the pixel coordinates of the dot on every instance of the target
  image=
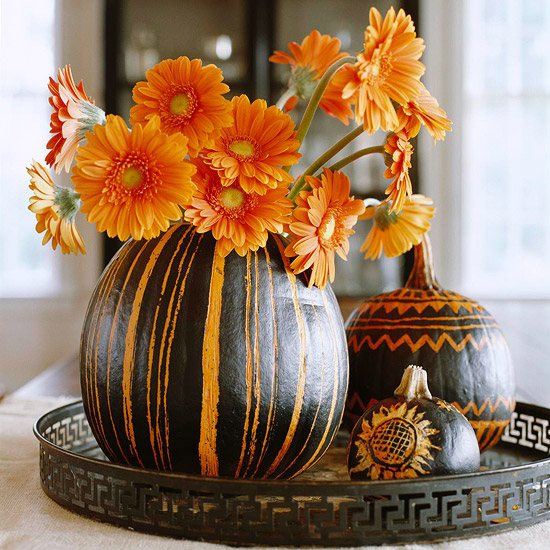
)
(356, 344)
(508, 402)
(390, 302)
(489, 432)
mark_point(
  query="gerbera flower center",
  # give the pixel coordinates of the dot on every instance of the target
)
(331, 231)
(378, 69)
(231, 202)
(243, 148)
(384, 218)
(132, 177)
(232, 197)
(179, 104)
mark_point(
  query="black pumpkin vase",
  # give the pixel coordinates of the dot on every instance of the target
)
(208, 365)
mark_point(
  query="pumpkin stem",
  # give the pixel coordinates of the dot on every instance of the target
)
(414, 384)
(422, 275)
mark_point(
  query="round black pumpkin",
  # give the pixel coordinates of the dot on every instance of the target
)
(208, 365)
(459, 342)
(412, 435)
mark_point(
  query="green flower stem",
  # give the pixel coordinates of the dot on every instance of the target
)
(354, 156)
(323, 159)
(318, 94)
(285, 97)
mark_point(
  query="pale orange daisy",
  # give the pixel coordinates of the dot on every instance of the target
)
(133, 183)
(188, 98)
(388, 69)
(395, 233)
(74, 114)
(55, 209)
(255, 149)
(321, 226)
(309, 62)
(238, 220)
(399, 152)
(425, 110)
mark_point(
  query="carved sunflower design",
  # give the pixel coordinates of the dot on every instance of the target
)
(395, 443)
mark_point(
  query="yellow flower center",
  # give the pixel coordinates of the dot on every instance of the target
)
(232, 197)
(332, 231)
(132, 177)
(179, 104)
(378, 69)
(242, 148)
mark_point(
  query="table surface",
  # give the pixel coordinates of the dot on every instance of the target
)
(526, 325)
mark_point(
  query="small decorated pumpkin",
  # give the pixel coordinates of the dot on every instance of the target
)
(463, 348)
(412, 434)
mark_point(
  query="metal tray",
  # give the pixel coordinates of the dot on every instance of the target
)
(320, 507)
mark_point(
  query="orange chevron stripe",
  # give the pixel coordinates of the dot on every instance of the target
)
(367, 320)
(424, 327)
(357, 343)
(509, 404)
(489, 432)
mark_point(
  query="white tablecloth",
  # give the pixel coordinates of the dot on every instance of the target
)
(30, 520)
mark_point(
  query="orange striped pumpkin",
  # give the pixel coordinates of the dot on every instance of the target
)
(208, 365)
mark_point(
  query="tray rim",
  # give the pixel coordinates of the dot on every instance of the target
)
(265, 484)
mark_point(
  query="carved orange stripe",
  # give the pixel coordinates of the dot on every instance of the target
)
(169, 350)
(210, 370)
(111, 338)
(162, 363)
(257, 386)
(248, 371)
(306, 442)
(151, 351)
(100, 307)
(90, 368)
(130, 341)
(274, 378)
(335, 387)
(300, 390)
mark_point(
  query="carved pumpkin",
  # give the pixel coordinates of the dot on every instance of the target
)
(412, 434)
(208, 365)
(458, 341)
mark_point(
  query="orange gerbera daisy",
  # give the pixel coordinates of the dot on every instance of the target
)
(74, 114)
(133, 183)
(238, 220)
(387, 69)
(399, 152)
(423, 110)
(309, 62)
(255, 149)
(188, 98)
(55, 209)
(395, 233)
(321, 225)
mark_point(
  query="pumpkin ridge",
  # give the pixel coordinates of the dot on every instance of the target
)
(101, 299)
(318, 452)
(172, 332)
(274, 378)
(154, 434)
(306, 442)
(131, 336)
(300, 390)
(249, 364)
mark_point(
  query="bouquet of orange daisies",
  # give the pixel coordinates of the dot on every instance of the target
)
(226, 166)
